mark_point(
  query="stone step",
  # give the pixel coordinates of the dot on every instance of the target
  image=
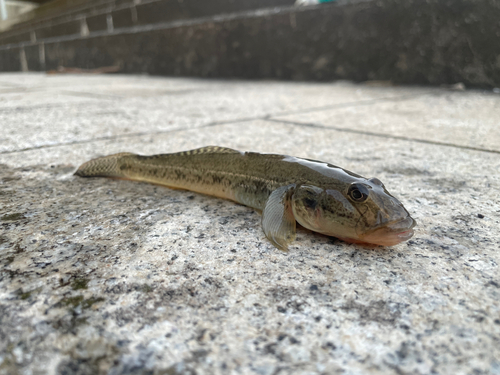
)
(109, 15)
(56, 12)
(402, 41)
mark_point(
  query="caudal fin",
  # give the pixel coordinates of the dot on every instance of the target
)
(106, 166)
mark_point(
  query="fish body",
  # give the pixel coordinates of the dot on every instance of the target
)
(319, 196)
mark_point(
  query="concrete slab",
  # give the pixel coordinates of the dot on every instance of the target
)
(70, 109)
(467, 118)
(102, 276)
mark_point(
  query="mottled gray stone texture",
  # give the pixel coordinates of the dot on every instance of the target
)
(102, 276)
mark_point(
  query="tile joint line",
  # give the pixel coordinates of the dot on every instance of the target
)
(381, 135)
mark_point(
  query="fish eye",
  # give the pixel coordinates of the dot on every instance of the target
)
(358, 192)
(376, 181)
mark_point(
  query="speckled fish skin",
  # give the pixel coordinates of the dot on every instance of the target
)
(319, 196)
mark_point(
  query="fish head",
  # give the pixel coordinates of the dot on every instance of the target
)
(361, 211)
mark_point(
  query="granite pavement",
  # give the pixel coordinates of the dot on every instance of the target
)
(114, 277)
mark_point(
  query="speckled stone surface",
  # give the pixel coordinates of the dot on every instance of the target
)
(114, 277)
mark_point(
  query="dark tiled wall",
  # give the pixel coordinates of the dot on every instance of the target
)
(66, 28)
(122, 18)
(10, 60)
(364, 41)
(97, 23)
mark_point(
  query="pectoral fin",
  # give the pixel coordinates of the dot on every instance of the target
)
(278, 221)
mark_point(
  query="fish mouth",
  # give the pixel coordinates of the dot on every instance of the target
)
(392, 233)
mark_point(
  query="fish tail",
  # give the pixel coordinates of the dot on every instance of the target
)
(106, 166)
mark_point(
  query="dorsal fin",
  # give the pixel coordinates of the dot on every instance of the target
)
(210, 150)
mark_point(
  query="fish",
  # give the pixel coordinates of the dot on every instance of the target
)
(287, 190)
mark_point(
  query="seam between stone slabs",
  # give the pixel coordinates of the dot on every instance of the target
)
(381, 135)
(110, 96)
(88, 95)
(188, 90)
(26, 108)
(215, 123)
(129, 135)
(362, 102)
